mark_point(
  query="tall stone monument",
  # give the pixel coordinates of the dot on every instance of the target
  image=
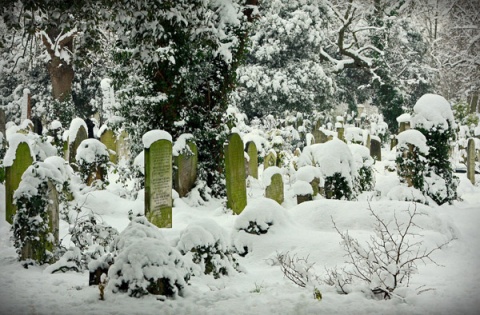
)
(235, 174)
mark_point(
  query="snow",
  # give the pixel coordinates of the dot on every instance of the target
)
(180, 145)
(404, 118)
(308, 173)
(306, 230)
(90, 150)
(153, 136)
(268, 174)
(13, 142)
(432, 110)
(414, 137)
(74, 127)
(302, 188)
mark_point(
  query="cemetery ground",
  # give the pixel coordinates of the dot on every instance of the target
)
(449, 286)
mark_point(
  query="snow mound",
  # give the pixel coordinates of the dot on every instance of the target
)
(432, 110)
(259, 215)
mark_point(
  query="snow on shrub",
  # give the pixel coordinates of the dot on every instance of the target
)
(92, 160)
(33, 236)
(337, 166)
(146, 263)
(259, 215)
(205, 242)
(365, 179)
(148, 266)
(433, 117)
(411, 159)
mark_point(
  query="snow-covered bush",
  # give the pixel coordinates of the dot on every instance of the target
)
(259, 215)
(365, 180)
(92, 160)
(433, 117)
(206, 243)
(33, 231)
(337, 166)
(146, 263)
(411, 158)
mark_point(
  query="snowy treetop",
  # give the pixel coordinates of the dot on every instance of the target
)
(432, 110)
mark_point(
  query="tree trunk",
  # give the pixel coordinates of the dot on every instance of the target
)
(61, 72)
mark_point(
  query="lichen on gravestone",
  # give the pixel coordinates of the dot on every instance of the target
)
(252, 152)
(471, 160)
(158, 177)
(274, 191)
(235, 174)
(108, 138)
(17, 159)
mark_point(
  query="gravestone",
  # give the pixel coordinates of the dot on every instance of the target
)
(340, 132)
(471, 160)
(274, 191)
(393, 142)
(13, 175)
(158, 179)
(404, 125)
(270, 159)
(253, 159)
(235, 174)
(108, 138)
(77, 133)
(122, 149)
(376, 149)
(186, 169)
(303, 191)
(53, 215)
(3, 122)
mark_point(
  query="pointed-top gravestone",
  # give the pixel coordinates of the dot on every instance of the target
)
(235, 174)
(158, 177)
(185, 160)
(252, 152)
(17, 159)
(270, 159)
(76, 134)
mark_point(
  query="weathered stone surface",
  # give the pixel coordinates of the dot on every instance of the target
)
(73, 145)
(186, 169)
(471, 160)
(158, 183)
(274, 191)
(235, 174)
(393, 142)
(13, 177)
(341, 133)
(376, 149)
(109, 139)
(404, 125)
(253, 159)
(270, 160)
(303, 198)
(3, 122)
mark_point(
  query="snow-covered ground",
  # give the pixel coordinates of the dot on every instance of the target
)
(306, 230)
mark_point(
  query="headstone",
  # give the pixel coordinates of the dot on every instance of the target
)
(393, 142)
(471, 160)
(26, 106)
(13, 177)
(78, 133)
(303, 191)
(158, 180)
(341, 133)
(253, 159)
(53, 215)
(186, 169)
(376, 149)
(404, 125)
(3, 122)
(108, 138)
(270, 159)
(122, 149)
(235, 174)
(274, 191)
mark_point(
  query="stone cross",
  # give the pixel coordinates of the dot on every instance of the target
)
(235, 174)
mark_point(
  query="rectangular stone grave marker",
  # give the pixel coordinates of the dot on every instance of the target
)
(108, 138)
(471, 160)
(375, 149)
(186, 169)
(274, 191)
(235, 174)
(253, 159)
(158, 179)
(78, 133)
(13, 174)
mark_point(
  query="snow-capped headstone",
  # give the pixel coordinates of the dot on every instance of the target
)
(303, 190)
(376, 148)
(273, 181)
(253, 159)
(471, 160)
(235, 174)
(76, 134)
(158, 177)
(17, 159)
(340, 131)
(186, 160)
(270, 159)
(108, 138)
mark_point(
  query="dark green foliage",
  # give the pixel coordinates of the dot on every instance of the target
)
(411, 166)
(336, 187)
(366, 179)
(215, 260)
